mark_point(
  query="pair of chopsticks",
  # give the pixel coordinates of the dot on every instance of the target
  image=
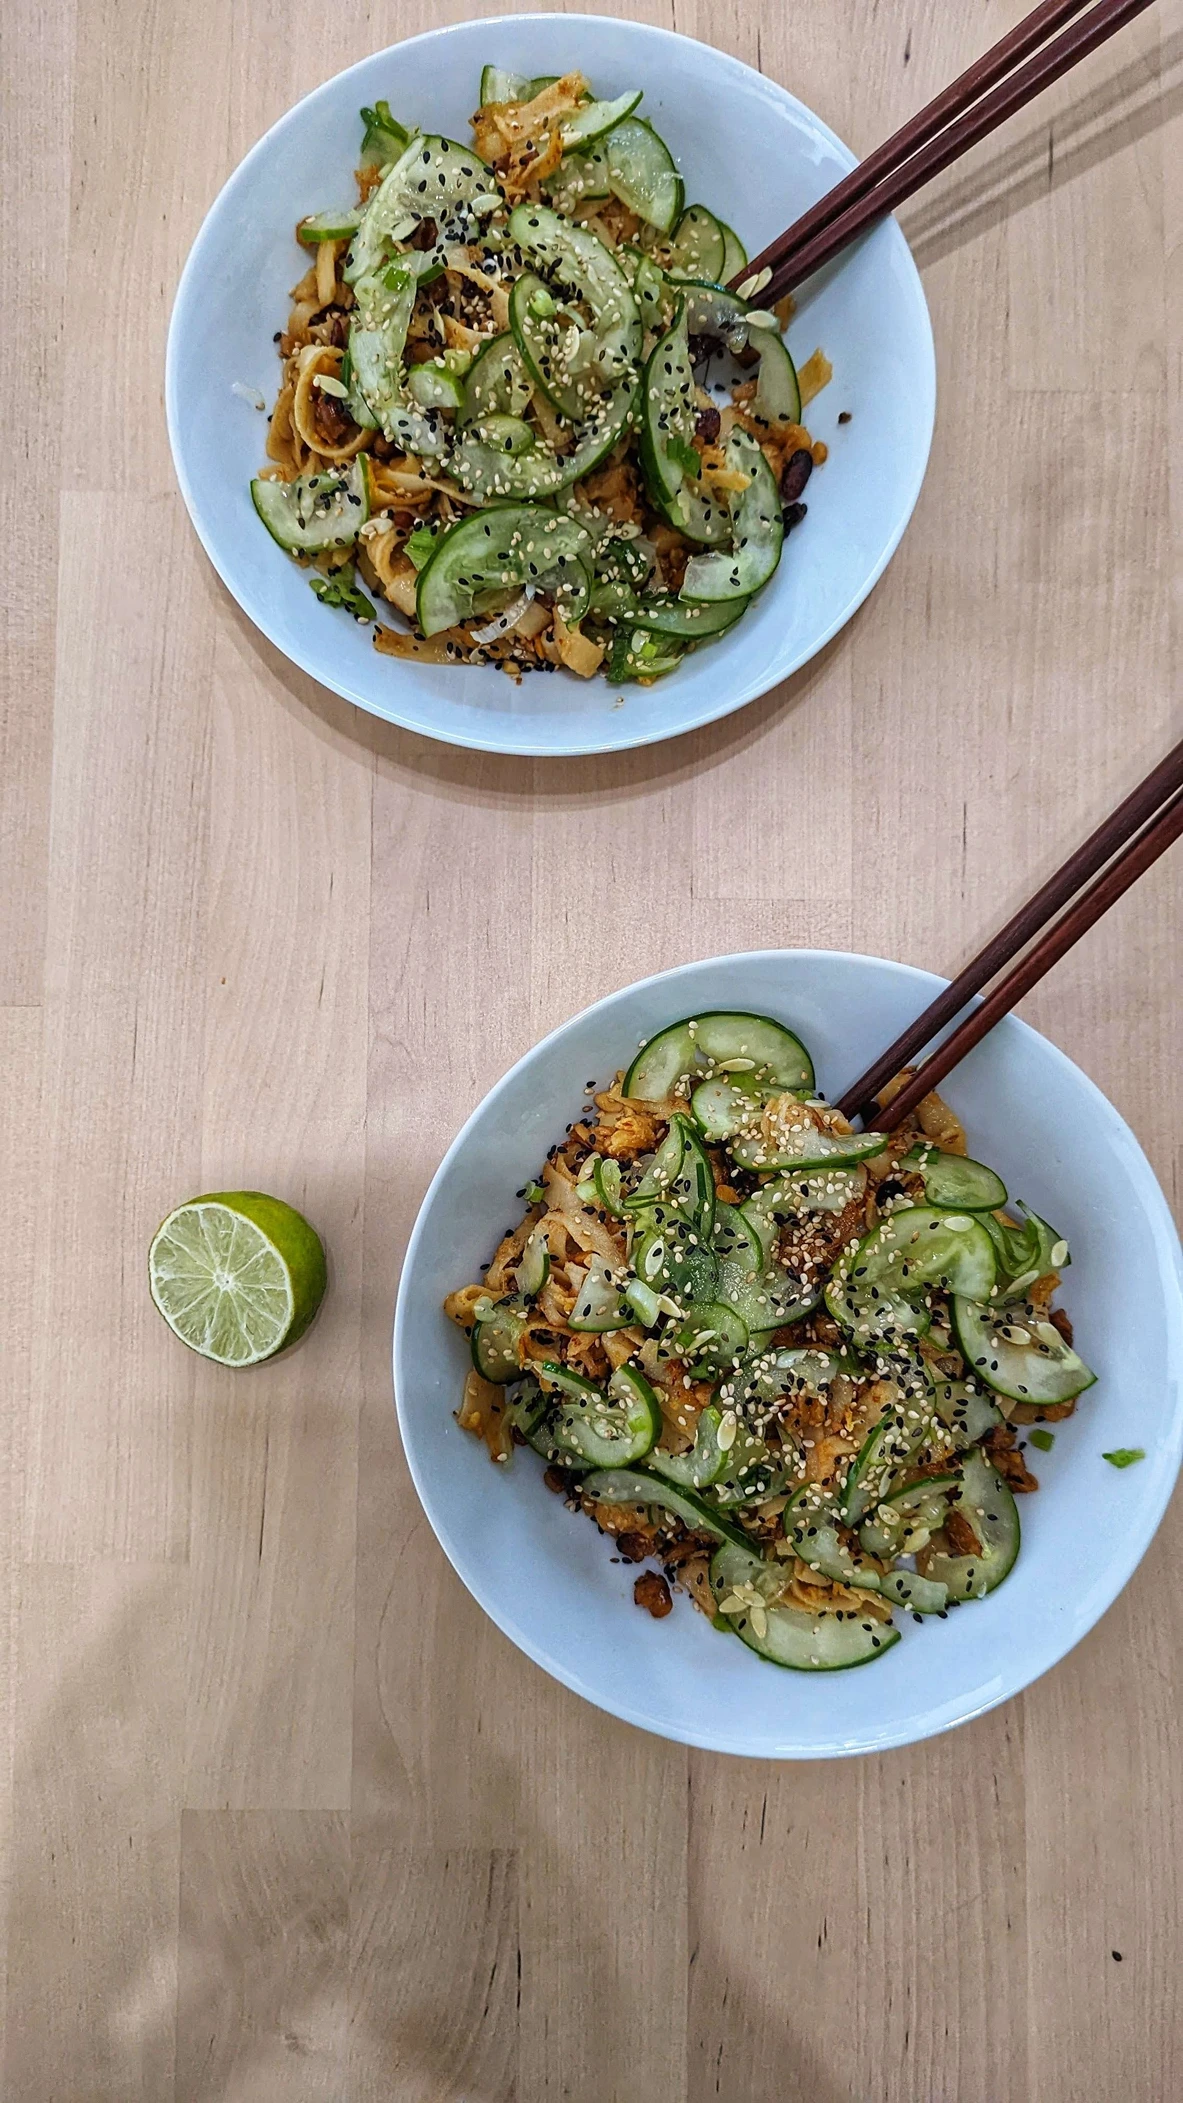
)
(992, 89)
(1131, 838)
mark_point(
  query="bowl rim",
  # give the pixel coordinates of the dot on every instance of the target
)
(513, 742)
(1123, 1565)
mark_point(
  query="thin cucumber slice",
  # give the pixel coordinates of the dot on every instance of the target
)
(323, 510)
(498, 85)
(606, 1177)
(1017, 1352)
(657, 1182)
(607, 1430)
(815, 1538)
(796, 1369)
(592, 120)
(778, 390)
(384, 138)
(690, 624)
(526, 1412)
(787, 1635)
(329, 226)
(921, 1595)
(377, 339)
(806, 1148)
(578, 262)
(736, 1240)
(668, 413)
(432, 386)
(900, 1434)
(600, 1304)
(645, 1303)
(723, 1106)
(954, 1183)
(757, 531)
(642, 174)
(681, 1174)
(534, 1268)
(639, 1486)
(705, 1461)
(497, 383)
(671, 1256)
(735, 255)
(920, 1246)
(500, 549)
(966, 1410)
(719, 1039)
(990, 1509)
(699, 246)
(713, 1336)
(711, 310)
(432, 179)
(495, 1343)
(1028, 1252)
(580, 178)
(487, 470)
(542, 335)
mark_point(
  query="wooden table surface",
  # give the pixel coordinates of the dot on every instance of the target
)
(284, 1815)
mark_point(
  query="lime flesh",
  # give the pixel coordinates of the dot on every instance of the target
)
(237, 1275)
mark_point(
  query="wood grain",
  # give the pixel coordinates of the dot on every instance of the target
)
(282, 1814)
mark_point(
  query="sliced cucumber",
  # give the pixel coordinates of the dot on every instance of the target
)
(600, 1304)
(1028, 1252)
(542, 335)
(384, 138)
(713, 1336)
(735, 255)
(711, 310)
(757, 530)
(606, 1177)
(668, 413)
(955, 1183)
(671, 1256)
(432, 179)
(497, 383)
(690, 624)
(705, 1461)
(639, 1486)
(699, 246)
(723, 1106)
(645, 1303)
(722, 1041)
(329, 226)
(577, 261)
(920, 1246)
(635, 654)
(891, 1444)
(965, 1410)
(642, 174)
(827, 1190)
(580, 178)
(433, 386)
(498, 85)
(377, 340)
(534, 1267)
(787, 1635)
(778, 391)
(592, 120)
(797, 1369)
(322, 510)
(495, 1342)
(1017, 1352)
(607, 1430)
(806, 1148)
(487, 469)
(990, 1509)
(500, 549)
(921, 1595)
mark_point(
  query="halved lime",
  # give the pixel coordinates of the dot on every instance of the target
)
(237, 1275)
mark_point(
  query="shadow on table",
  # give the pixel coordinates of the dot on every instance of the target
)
(1130, 105)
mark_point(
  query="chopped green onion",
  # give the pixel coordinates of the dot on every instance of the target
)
(1045, 1440)
(1124, 1456)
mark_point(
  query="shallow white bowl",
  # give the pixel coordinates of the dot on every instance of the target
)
(545, 1575)
(747, 148)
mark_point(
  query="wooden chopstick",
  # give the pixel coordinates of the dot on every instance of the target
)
(1132, 863)
(1119, 827)
(791, 266)
(985, 72)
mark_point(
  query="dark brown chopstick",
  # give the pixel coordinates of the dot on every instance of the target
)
(985, 72)
(1101, 845)
(1059, 938)
(792, 266)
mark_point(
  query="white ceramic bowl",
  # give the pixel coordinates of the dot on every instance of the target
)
(745, 146)
(545, 1574)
